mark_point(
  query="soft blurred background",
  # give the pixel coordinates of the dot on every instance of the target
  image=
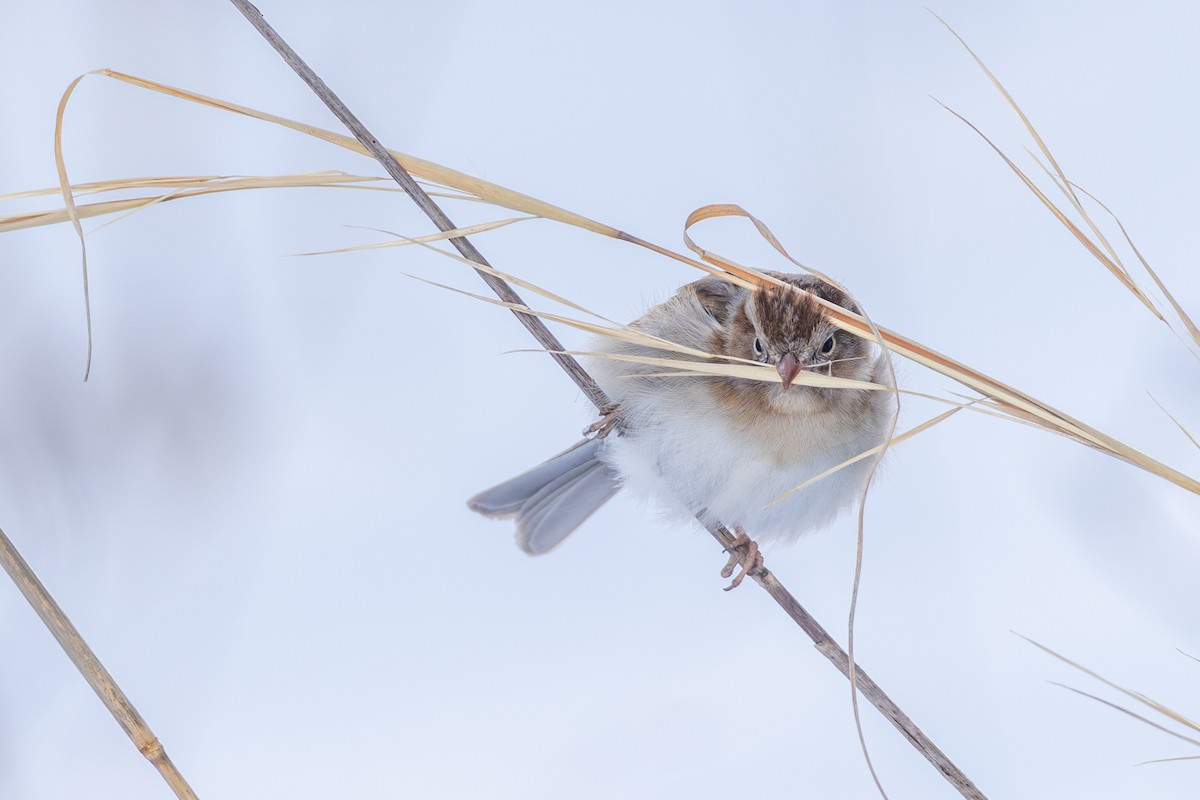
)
(254, 508)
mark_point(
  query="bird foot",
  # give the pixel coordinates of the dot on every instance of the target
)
(744, 552)
(604, 426)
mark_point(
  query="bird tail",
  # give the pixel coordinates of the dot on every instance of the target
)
(552, 499)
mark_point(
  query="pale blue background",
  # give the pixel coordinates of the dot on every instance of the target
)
(254, 509)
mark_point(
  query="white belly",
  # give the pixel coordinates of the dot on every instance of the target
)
(693, 461)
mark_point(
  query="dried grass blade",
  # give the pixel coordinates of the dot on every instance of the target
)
(1046, 416)
(429, 170)
(1178, 424)
(1037, 138)
(1165, 760)
(1138, 696)
(1009, 398)
(183, 188)
(1190, 325)
(1066, 222)
(469, 230)
(626, 334)
(16, 222)
(714, 211)
(879, 448)
(1131, 713)
(747, 370)
(504, 276)
(1067, 189)
(476, 187)
(754, 372)
(717, 210)
(1192, 330)
(1051, 418)
(95, 187)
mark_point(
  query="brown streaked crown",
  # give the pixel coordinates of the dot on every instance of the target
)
(772, 321)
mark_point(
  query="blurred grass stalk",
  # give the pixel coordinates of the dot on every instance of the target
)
(90, 667)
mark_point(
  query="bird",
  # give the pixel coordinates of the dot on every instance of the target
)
(716, 448)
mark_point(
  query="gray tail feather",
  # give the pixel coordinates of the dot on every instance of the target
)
(552, 499)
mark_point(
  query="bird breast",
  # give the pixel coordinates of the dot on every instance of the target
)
(688, 454)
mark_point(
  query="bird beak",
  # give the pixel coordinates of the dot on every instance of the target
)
(788, 368)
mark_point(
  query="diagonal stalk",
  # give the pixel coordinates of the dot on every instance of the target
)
(90, 667)
(823, 641)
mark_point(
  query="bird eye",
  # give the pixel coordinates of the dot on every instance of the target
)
(758, 346)
(827, 348)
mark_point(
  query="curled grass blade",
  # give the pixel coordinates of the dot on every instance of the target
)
(73, 215)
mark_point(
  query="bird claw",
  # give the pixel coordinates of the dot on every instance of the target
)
(603, 426)
(744, 552)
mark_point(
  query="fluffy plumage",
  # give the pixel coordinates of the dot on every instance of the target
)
(723, 448)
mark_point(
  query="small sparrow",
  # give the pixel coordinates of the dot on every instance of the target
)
(718, 448)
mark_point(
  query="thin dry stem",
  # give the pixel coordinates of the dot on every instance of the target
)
(373, 147)
(822, 639)
(89, 666)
